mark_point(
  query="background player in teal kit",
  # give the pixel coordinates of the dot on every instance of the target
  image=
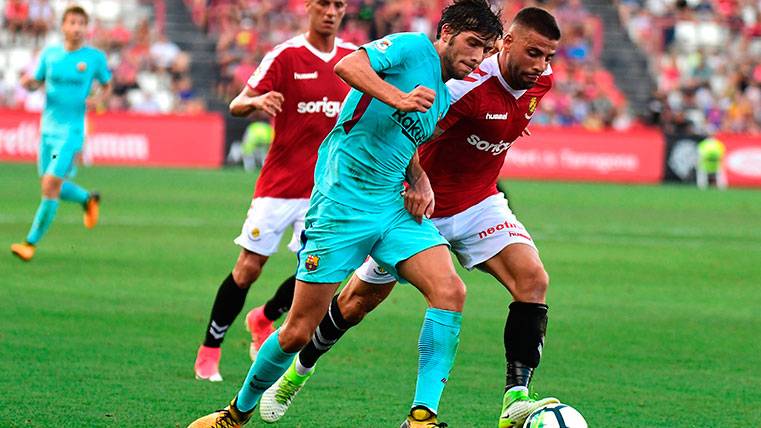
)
(356, 207)
(67, 72)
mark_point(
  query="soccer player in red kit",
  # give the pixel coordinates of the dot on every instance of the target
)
(295, 84)
(490, 109)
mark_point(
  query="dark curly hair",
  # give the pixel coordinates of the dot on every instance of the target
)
(472, 15)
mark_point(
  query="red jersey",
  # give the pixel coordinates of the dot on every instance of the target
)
(313, 95)
(485, 118)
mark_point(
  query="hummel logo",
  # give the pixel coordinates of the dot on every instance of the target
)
(305, 76)
(496, 116)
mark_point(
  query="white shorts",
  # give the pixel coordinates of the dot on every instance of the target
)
(266, 222)
(475, 235)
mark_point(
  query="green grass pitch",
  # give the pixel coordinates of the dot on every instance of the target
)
(655, 310)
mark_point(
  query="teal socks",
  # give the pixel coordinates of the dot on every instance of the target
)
(437, 348)
(271, 362)
(43, 218)
(71, 192)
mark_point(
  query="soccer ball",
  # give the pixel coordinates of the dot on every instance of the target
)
(555, 416)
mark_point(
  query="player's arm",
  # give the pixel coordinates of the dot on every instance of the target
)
(356, 70)
(100, 95)
(30, 83)
(418, 199)
(249, 101)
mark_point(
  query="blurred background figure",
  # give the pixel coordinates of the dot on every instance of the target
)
(256, 143)
(710, 168)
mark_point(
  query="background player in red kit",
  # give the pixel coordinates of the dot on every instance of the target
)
(296, 85)
(490, 109)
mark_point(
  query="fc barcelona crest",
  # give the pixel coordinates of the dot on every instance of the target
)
(312, 262)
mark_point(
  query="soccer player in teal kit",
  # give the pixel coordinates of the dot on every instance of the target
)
(356, 207)
(67, 72)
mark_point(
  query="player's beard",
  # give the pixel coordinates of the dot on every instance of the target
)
(450, 62)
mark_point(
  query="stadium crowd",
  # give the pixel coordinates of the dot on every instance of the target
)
(585, 93)
(150, 73)
(706, 58)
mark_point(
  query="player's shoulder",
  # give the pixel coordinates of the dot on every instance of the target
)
(52, 48)
(93, 52)
(286, 48)
(343, 45)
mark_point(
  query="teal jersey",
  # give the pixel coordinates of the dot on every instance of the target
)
(68, 79)
(363, 160)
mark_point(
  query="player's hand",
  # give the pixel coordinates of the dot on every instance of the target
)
(92, 103)
(419, 199)
(28, 82)
(420, 99)
(271, 103)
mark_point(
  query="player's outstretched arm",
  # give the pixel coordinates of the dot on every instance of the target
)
(29, 83)
(355, 69)
(249, 101)
(419, 198)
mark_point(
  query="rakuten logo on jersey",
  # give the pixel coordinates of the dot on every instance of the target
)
(412, 127)
(485, 146)
(329, 108)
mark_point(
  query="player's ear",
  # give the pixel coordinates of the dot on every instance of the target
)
(446, 33)
(507, 41)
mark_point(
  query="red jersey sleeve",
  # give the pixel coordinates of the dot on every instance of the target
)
(465, 107)
(267, 76)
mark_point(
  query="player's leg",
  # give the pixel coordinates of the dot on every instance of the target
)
(54, 163)
(492, 239)
(259, 321)
(364, 292)
(326, 258)
(701, 176)
(90, 201)
(310, 302)
(228, 303)
(519, 268)
(418, 253)
(432, 272)
(260, 236)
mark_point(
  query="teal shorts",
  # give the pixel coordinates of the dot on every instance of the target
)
(338, 238)
(57, 156)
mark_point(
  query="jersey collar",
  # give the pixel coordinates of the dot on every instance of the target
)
(324, 56)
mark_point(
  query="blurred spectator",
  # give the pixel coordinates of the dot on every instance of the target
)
(585, 94)
(706, 58)
(40, 19)
(16, 16)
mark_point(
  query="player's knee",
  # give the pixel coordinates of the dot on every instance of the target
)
(450, 294)
(532, 284)
(51, 187)
(294, 336)
(247, 270)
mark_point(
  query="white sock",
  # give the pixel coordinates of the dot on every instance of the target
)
(300, 369)
(518, 388)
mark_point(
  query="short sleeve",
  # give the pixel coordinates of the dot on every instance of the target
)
(103, 74)
(42, 68)
(267, 77)
(394, 50)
